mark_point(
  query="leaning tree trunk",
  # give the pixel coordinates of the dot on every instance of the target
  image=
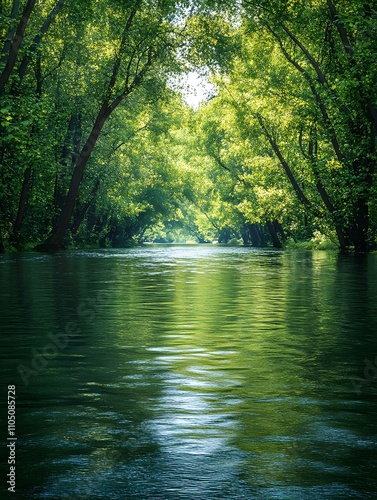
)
(358, 234)
(56, 239)
(279, 229)
(37, 40)
(11, 58)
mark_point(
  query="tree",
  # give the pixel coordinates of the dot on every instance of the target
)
(334, 56)
(93, 141)
(142, 43)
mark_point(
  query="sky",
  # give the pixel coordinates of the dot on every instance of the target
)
(197, 89)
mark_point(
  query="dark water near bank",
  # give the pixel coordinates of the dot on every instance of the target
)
(191, 373)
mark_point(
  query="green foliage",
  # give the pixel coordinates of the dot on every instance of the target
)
(285, 149)
(318, 242)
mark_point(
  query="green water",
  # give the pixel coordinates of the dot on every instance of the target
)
(190, 372)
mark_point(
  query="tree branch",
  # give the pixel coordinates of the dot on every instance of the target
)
(37, 39)
(16, 44)
(340, 27)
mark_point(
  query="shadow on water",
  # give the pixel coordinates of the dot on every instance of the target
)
(192, 372)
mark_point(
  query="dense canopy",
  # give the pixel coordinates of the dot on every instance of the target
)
(98, 146)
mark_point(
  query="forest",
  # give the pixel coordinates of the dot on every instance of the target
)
(99, 148)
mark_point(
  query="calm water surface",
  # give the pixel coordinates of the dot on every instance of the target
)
(191, 372)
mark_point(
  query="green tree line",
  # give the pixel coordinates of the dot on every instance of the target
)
(99, 148)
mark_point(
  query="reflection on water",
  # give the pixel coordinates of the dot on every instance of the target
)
(193, 372)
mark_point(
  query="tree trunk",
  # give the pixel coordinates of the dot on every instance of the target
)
(22, 204)
(81, 215)
(254, 236)
(10, 33)
(2, 248)
(245, 234)
(37, 39)
(262, 231)
(279, 230)
(283, 162)
(358, 234)
(344, 241)
(55, 240)
(109, 104)
(11, 58)
(360, 231)
(274, 236)
(69, 155)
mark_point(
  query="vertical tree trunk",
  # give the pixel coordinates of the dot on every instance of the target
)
(262, 231)
(274, 236)
(81, 214)
(22, 204)
(360, 230)
(254, 235)
(72, 142)
(2, 247)
(279, 229)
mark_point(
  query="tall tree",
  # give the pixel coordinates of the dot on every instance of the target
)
(335, 56)
(146, 40)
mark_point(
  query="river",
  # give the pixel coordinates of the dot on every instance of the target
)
(191, 372)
